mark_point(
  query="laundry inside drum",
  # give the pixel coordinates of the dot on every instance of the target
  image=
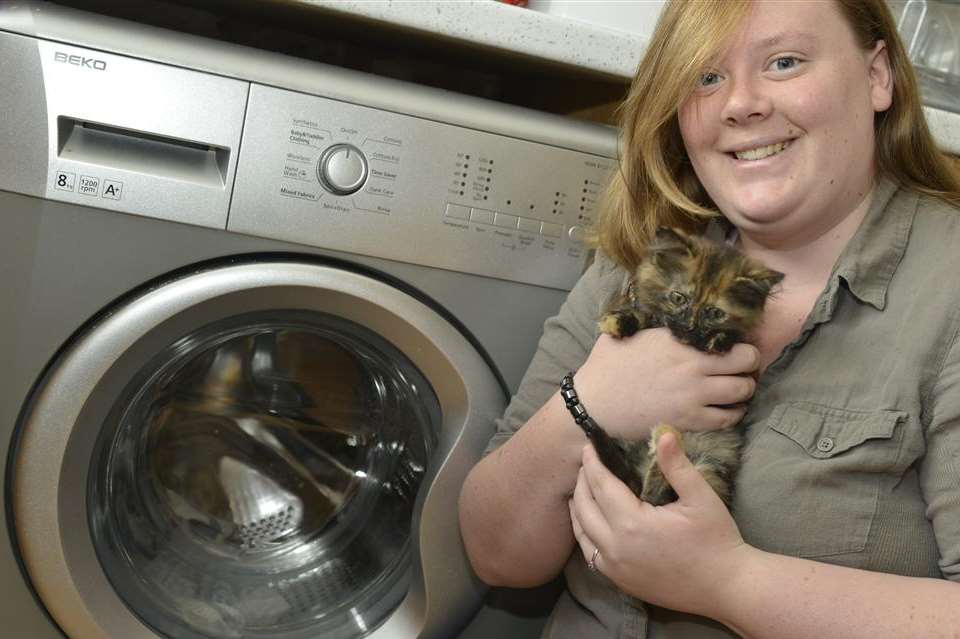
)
(260, 480)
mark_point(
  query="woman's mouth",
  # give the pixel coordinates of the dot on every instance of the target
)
(762, 152)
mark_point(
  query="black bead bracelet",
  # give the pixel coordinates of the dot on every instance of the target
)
(577, 410)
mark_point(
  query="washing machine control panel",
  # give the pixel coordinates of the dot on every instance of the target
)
(352, 178)
(139, 137)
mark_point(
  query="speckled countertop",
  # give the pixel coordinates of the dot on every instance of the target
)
(945, 127)
(508, 28)
(559, 39)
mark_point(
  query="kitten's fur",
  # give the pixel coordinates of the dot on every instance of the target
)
(710, 296)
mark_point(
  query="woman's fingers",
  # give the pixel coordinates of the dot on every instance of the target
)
(589, 515)
(589, 550)
(582, 508)
(578, 533)
(739, 360)
(716, 417)
(726, 390)
(609, 496)
(587, 546)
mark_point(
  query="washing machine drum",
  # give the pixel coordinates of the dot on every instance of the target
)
(263, 474)
(260, 479)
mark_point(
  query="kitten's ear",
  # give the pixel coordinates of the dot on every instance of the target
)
(668, 245)
(759, 281)
(667, 238)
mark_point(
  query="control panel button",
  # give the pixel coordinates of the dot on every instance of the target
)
(529, 226)
(458, 212)
(506, 221)
(342, 169)
(481, 216)
(577, 234)
(552, 230)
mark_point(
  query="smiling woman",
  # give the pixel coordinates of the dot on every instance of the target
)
(657, 184)
(780, 130)
(794, 131)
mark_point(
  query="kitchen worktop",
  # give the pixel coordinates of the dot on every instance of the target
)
(504, 27)
(519, 31)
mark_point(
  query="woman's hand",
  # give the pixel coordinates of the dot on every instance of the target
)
(678, 556)
(630, 385)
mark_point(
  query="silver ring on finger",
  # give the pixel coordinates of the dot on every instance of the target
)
(592, 564)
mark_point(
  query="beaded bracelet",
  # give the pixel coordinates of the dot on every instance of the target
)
(577, 410)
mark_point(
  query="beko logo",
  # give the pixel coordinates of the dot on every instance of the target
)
(80, 61)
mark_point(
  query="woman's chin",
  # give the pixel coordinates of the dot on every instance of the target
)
(758, 215)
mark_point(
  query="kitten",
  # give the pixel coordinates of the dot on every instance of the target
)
(710, 296)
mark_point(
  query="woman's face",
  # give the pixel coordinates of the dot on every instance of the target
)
(780, 130)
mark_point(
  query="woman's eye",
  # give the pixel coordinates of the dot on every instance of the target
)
(714, 314)
(676, 297)
(785, 63)
(709, 78)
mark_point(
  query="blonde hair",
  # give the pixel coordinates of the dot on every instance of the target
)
(656, 185)
(905, 150)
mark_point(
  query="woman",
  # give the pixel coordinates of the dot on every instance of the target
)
(794, 127)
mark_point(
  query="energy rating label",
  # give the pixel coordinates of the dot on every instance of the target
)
(112, 189)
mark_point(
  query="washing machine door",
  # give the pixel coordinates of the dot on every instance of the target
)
(270, 449)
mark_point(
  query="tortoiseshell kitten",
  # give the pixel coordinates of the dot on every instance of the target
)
(710, 296)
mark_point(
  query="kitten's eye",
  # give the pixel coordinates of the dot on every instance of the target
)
(714, 314)
(676, 297)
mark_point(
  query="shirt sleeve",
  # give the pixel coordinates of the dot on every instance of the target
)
(566, 341)
(940, 465)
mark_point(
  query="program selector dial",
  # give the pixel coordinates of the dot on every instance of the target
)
(342, 169)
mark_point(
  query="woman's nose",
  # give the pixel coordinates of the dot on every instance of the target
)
(745, 102)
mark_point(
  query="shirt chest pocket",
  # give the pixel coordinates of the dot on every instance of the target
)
(811, 479)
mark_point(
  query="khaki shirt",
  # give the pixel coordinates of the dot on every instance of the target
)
(852, 452)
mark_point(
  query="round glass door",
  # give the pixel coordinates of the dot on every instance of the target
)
(258, 478)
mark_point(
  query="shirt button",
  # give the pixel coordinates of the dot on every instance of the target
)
(825, 445)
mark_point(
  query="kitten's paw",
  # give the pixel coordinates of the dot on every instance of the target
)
(721, 343)
(608, 324)
(658, 432)
(619, 324)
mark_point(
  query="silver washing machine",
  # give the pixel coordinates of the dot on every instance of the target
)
(257, 318)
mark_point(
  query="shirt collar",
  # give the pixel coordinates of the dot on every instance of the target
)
(873, 254)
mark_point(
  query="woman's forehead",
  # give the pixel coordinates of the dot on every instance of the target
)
(773, 24)
(787, 36)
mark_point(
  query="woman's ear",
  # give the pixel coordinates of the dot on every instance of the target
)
(881, 77)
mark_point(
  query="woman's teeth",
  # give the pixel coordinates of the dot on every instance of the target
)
(762, 152)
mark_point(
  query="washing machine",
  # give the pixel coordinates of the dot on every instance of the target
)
(257, 318)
